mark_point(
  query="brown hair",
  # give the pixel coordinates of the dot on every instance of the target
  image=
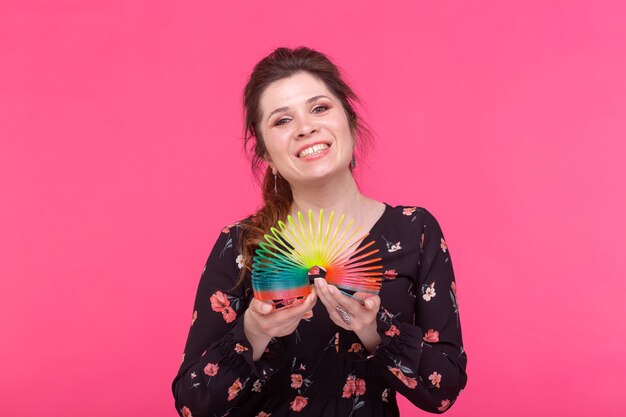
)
(283, 63)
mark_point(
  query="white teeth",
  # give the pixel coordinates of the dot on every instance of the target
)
(313, 150)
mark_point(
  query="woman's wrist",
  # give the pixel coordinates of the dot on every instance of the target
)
(369, 337)
(258, 341)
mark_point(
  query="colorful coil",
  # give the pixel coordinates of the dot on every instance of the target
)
(284, 264)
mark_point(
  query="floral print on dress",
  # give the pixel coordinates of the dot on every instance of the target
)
(257, 385)
(444, 246)
(407, 211)
(296, 381)
(263, 414)
(239, 348)
(221, 304)
(298, 403)
(353, 386)
(390, 274)
(444, 405)
(431, 336)
(435, 379)
(392, 247)
(239, 261)
(384, 395)
(234, 389)
(211, 369)
(185, 412)
(428, 291)
(356, 348)
(393, 331)
(408, 381)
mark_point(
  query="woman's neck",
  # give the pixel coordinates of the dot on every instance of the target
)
(340, 195)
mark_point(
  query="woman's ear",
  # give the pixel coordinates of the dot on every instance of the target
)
(267, 159)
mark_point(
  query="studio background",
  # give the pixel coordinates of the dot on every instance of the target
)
(121, 160)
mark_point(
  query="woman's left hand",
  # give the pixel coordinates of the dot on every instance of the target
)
(350, 314)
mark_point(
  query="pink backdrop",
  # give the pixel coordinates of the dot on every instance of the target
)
(120, 161)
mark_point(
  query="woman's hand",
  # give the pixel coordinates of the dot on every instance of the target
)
(350, 314)
(261, 322)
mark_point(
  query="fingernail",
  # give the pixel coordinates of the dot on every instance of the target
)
(369, 303)
(318, 282)
(267, 308)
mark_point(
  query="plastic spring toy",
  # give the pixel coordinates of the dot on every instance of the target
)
(294, 253)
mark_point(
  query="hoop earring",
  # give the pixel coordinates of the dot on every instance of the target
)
(353, 163)
(275, 190)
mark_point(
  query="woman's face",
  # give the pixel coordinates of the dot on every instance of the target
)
(305, 129)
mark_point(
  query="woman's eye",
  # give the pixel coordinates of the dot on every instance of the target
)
(319, 109)
(281, 121)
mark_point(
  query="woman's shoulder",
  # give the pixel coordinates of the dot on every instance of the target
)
(412, 212)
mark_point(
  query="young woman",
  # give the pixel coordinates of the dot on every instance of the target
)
(329, 355)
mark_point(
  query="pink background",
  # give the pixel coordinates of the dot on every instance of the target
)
(120, 161)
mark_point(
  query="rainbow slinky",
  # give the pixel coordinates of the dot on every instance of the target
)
(289, 253)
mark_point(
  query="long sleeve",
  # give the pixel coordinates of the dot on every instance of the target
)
(217, 372)
(425, 360)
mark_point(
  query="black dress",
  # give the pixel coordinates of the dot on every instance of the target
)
(321, 369)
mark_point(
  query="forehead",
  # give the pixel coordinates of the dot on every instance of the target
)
(292, 91)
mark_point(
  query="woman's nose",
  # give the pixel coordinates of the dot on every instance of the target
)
(306, 127)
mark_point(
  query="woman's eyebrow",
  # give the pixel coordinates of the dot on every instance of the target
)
(312, 99)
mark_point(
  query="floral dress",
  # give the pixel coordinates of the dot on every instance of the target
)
(321, 369)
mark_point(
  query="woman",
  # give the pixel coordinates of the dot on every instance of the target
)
(329, 355)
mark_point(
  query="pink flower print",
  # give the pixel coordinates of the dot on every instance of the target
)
(240, 348)
(385, 395)
(230, 226)
(186, 412)
(429, 292)
(435, 379)
(360, 386)
(193, 375)
(393, 331)
(194, 317)
(349, 387)
(445, 404)
(298, 403)
(234, 389)
(422, 242)
(211, 369)
(431, 336)
(256, 386)
(407, 211)
(390, 274)
(219, 302)
(229, 315)
(356, 348)
(263, 414)
(409, 382)
(296, 381)
(353, 386)
(239, 261)
(444, 246)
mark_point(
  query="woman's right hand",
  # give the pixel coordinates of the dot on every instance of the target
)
(261, 322)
